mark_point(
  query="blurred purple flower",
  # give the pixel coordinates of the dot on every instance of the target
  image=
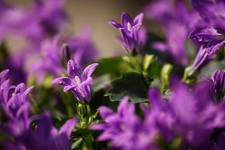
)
(82, 48)
(188, 113)
(49, 62)
(43, 136)
(13, 99)
(78, 82)
(216, 85)
(19, 125)
(123, 128)
(209, 34)
(177, 21)
(15, 104)
(218, 79)
(133, 36)
(49, 20)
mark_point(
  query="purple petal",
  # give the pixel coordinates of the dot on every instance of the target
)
(97, 127)
(125, 107)
(125, 19)
(138, 19)
(89, 70)
(206, 35)
(116, 25)
(68, 127)
(62, 81)
(154, 97)
(105, 111)
(72, 69)
(161, 46)
(4, 75)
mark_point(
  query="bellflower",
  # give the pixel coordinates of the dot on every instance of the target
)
(218, 79)
(78, 82)
(15, 104)
(216, 85)
(22, 22)
(209, 34)
(132, 35)
(49, 61)
(82, 48)
(43, 136)
(210, 41)
(14, 98)
(31, 29)
(176, 21)
(188, 113)
(124, 129)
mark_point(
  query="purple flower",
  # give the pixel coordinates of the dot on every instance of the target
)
(209, 34)
(176, 21)
(22, 22)
(43, 136)
(188, 113)
(124, 129)
(4, 76)
(133, 36)
(14, 99)
(15, 104)
(82, 48)
(19, 125)
(50, 20)
(218, 79)
(209, 41)
(49, 62)
(216, 85)
(78, 82)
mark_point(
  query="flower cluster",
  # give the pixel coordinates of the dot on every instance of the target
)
(166, 93)
(26, 131)
(176, 21)
(189, 114)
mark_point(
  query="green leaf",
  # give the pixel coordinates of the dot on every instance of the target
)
(153, 71)
(130, 84)
(101, 83)
(114, 67)
(108, 66)
(165, 76)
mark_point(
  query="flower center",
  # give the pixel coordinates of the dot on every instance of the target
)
(129, 27)
(77, 80)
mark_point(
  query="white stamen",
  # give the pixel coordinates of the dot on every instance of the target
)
(129, 27)
(77, 79)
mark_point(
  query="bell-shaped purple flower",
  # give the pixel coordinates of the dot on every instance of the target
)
(176, 21)
(49, 62)
(82, 47)
(188, 113)
(49, 20)
(15, 104)
(210, 41)
(124, 129)
(14, 99)
(78, 81)
(132, 35)
(43, 136)
(209, 34)
(217, 85)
